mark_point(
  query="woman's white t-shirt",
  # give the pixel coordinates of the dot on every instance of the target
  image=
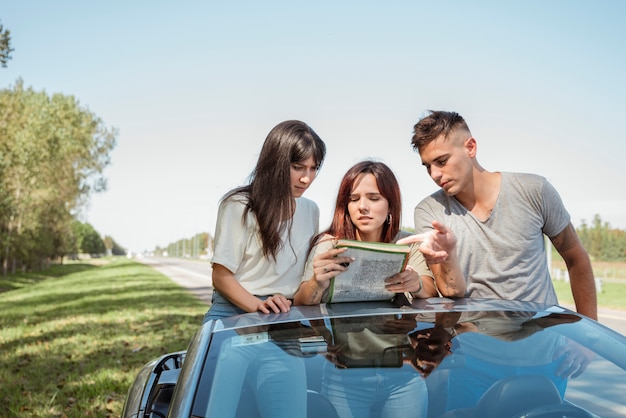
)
(238, 247)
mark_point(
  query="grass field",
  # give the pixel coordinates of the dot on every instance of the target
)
(612, 277)
(613, 294)
(73, 338)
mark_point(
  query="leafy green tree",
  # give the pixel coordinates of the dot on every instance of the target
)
(86, 240)
(52, 155)
(5, 46)
(92, 242)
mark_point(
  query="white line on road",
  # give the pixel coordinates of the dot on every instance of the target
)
(193, 273)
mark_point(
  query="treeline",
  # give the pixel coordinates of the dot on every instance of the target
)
(52, 155)
(88, 241)
(602, 242)
(198, 246)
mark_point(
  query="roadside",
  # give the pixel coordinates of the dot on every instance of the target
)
(190, 274)
(74, 336)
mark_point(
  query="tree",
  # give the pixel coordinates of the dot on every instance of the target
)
(5, 46)
(52, 155)
(92, 242)
(602, 242)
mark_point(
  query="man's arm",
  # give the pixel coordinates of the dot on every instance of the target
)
(580, 272)
(439, 250)
(449, 278)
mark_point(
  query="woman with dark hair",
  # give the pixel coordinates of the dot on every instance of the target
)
(262, 238)
(368, 208)
(263, 229)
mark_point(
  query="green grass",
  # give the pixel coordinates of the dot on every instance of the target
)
(73, 338)
(613, 294)
(612, 276)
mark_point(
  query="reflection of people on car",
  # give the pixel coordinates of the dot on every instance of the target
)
(353, 379)
(251, 362)
(493, 346)
(431, 345)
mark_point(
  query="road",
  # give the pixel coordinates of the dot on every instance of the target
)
(196, 276)
(192, 274)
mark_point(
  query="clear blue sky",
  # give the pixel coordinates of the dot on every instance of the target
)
(195, 86)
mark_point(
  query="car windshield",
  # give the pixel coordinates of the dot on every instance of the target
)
(470, 364)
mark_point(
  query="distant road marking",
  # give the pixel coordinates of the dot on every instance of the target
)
(193, 273)
(619, 318)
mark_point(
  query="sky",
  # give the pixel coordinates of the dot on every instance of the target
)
(193, 88)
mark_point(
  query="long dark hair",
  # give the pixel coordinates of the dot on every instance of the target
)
(268, 193)
(341, 225)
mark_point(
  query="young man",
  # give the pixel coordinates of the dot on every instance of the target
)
(499, 219)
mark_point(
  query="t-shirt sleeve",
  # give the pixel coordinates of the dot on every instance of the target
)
(424, 215)
(418, 262)
(231, 235)
(416, 258)
(555, 215)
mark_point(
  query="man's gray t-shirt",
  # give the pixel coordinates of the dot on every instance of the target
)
(504, 256)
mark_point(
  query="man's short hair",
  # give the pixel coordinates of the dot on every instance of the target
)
(435, 124)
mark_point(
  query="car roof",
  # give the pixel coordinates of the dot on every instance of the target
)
(586, 332)
(418, 306)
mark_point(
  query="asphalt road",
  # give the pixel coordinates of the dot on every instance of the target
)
(192, 274)
(196, 276)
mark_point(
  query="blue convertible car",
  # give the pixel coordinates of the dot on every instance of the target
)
(436, 358)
